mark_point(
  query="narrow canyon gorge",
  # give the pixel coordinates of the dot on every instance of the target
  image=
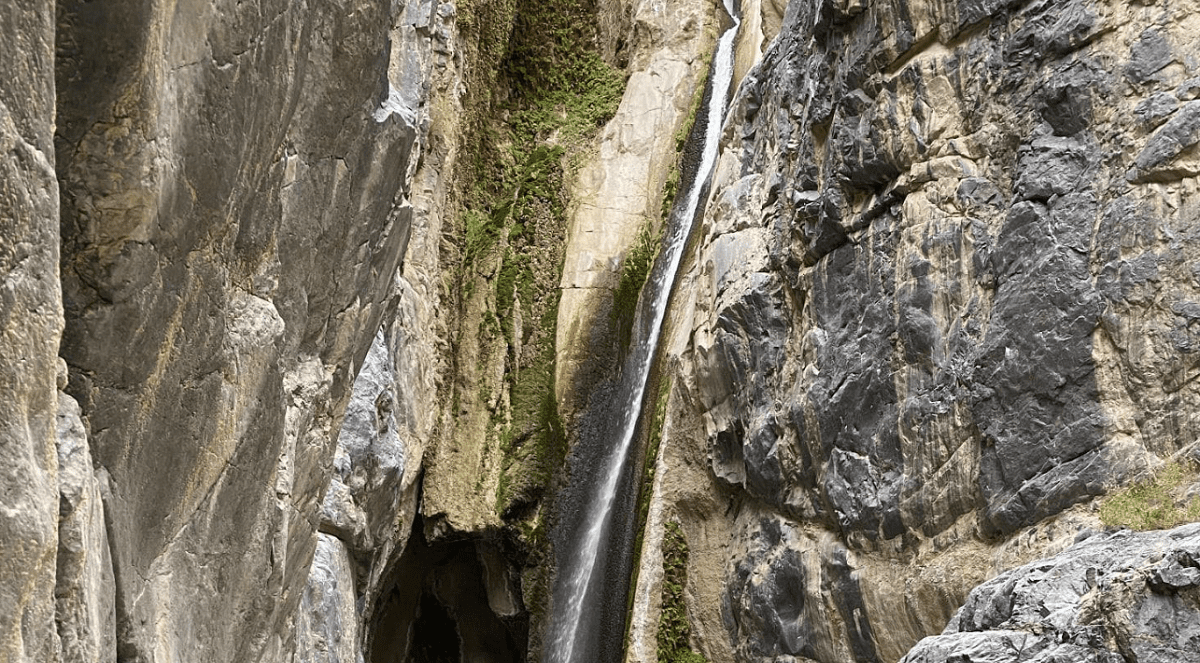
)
(600, 331)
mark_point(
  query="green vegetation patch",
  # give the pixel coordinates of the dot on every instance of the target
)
(673, 628)
(535, 443)
(634, 272)
(671, 187)
(538, 91)
(1157, 502)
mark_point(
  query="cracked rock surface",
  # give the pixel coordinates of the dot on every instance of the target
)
(1113, 597)
(940, 303)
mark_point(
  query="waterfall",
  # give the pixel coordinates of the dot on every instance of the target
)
(576, 586)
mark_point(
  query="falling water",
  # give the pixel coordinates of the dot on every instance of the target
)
(575, 587)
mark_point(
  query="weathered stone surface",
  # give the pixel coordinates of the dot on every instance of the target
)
(1112, 598)
(30, 326)
(619, 193)
(327, 621)
(233, 186)
(970, 316)
(371, 504)
(370, 457)
(85, 612)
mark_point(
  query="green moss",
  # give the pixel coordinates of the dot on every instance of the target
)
(538, 93)
(1154, 503)
(673, 628)
(535, 443)
(634, 272)
(671, 186)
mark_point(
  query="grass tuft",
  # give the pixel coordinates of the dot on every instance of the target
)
(673, 628)
(1156, 502)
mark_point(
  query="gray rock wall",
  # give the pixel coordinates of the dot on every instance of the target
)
(1114, 597)
(85, 590)
(943, 298)
(30, 325)
(940, 303)
(234, 180)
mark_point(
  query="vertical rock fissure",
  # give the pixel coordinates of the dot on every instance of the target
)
(575, 627)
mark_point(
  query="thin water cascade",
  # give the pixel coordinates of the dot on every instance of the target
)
(577, 585)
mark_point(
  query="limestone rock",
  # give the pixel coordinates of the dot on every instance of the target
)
(327, 621)
(1113, 597)
(619, 193)
(30, 327)
(233, 181)
(85, 613)
(938, 305)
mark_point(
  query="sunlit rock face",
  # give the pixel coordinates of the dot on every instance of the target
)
(943, 298)
(30, 325)
(1113, 597)
(942, 301)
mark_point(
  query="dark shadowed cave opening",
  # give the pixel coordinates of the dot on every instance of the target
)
(437, 608)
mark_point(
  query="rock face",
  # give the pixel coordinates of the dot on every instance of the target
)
(234, 211)
(300, 308)
(1115, 597)
(620, 192)
(30, 324)
(939, 304)
(84, 592)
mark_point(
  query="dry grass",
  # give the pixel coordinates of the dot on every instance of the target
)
(1157, 502)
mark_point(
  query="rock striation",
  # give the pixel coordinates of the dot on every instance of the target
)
(938, 307)
(303, 306)
(234, 183)
(31, 322)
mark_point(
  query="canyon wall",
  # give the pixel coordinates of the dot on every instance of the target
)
(30, 324)
(233, 184)
(304, 306)
(941, 303)
(273, 294)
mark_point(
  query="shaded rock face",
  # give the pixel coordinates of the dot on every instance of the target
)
(84, 592)
(449, 601)
(327, 623)
(1114, 597)
(234, 211)
(939, 304)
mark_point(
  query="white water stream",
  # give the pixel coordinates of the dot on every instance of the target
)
(571, 596)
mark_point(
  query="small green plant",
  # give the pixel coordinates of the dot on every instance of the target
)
(671, 185)
(1154, 503)
(673, 628)
(538, 91)
(634, 272)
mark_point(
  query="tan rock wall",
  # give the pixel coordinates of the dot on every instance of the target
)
(618, 191)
